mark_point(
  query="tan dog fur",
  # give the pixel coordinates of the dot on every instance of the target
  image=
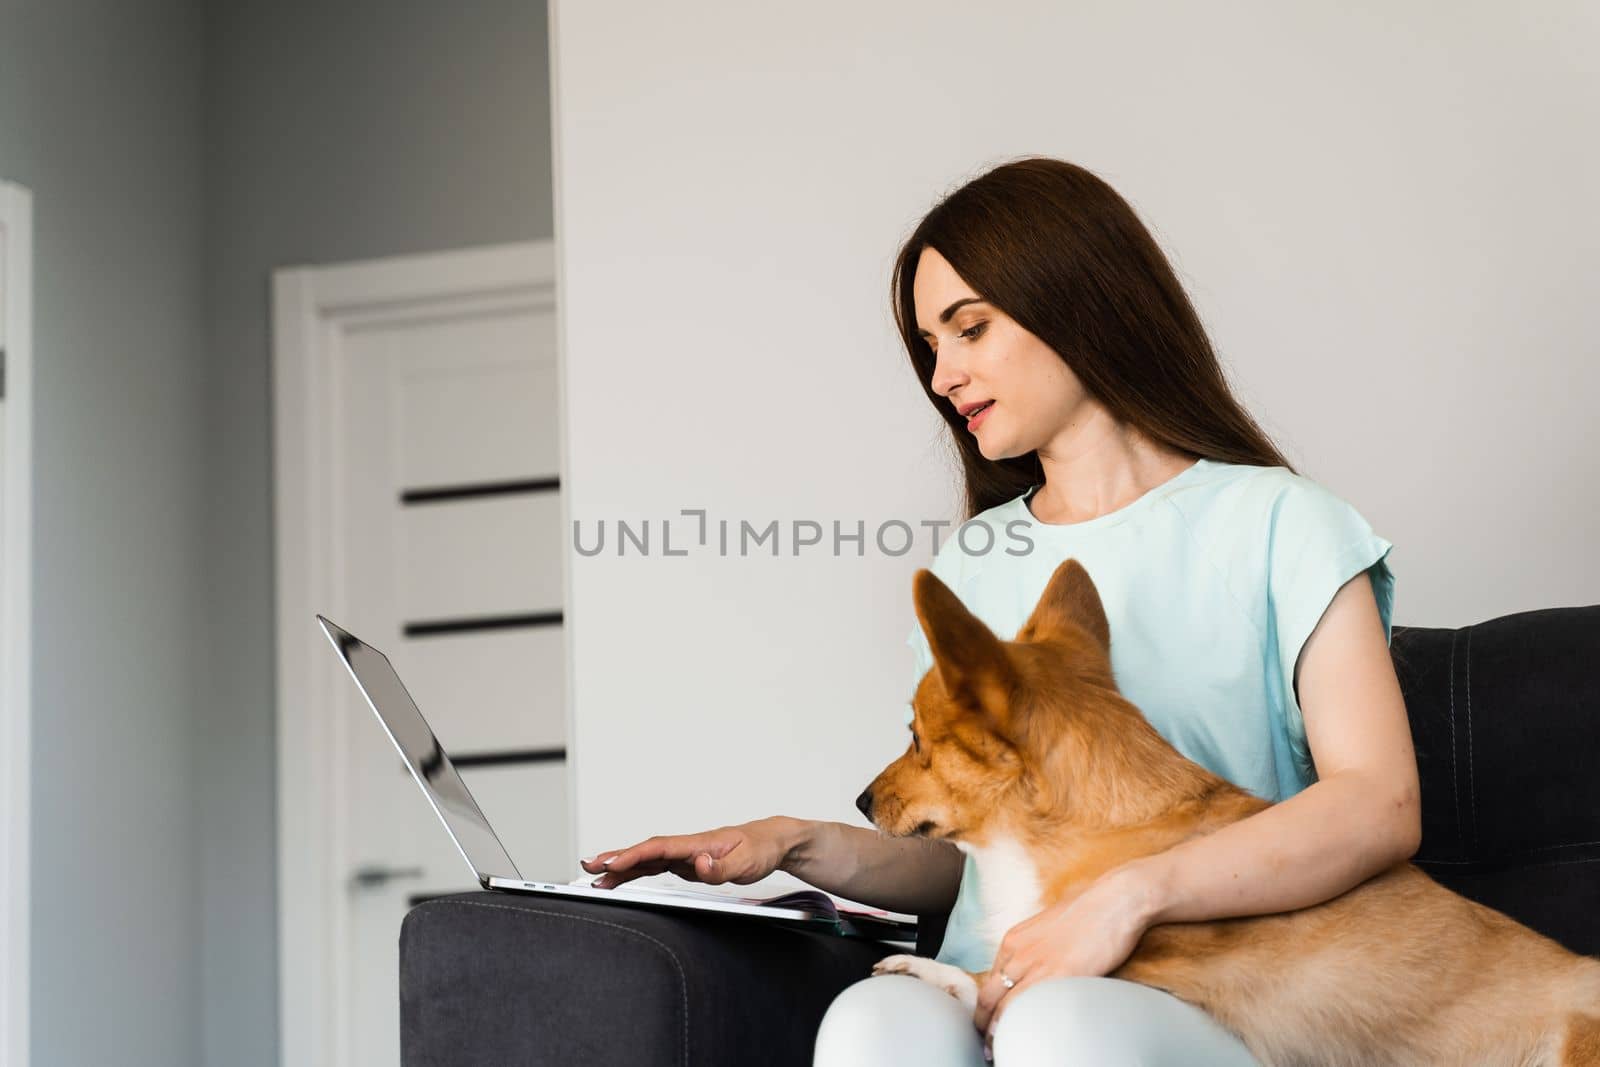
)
(1025, 749)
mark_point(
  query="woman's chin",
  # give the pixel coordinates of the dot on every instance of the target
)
(994, 450)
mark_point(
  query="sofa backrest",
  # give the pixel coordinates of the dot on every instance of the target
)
(1505, 716)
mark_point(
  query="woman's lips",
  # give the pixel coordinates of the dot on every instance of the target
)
(975, 421)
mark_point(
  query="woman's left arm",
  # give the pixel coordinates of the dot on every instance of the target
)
(1362, 816)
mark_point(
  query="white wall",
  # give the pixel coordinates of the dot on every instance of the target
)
(1385, 217)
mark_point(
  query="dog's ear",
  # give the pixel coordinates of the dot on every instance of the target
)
(1069, 597)
(968, 658)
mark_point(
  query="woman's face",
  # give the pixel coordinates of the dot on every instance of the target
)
(984, 357)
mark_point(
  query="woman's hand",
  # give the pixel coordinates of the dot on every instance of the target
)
(741, 854)
(1093, 934)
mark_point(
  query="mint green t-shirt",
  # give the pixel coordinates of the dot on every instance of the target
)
(1211, 583)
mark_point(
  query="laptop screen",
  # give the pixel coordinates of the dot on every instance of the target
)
(422, 752)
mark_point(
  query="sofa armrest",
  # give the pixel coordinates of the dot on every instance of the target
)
(503, 978)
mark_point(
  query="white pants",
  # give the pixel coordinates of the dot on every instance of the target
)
(1059, 1022)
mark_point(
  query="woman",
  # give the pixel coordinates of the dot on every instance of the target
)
(1249, 611)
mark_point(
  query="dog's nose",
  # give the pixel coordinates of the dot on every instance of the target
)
(864, 802)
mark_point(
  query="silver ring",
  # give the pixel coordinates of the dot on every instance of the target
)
(1007, 982)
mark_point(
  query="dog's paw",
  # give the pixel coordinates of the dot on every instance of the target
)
(952, 980)
(896, 965)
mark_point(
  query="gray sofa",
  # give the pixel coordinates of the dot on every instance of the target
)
(1506, 719)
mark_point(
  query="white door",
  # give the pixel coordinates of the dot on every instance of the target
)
(15, 585)
(4, 226)
(454, 569)
(10, 853)
(445, 553)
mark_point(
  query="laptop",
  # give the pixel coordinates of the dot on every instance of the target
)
(469, 828)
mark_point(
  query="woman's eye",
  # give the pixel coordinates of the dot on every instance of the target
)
(971, 333)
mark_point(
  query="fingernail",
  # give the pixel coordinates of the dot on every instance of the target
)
(587, 859)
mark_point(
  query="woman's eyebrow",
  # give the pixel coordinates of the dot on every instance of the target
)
(944, 316)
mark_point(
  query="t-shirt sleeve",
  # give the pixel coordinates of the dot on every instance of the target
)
(1318, 542)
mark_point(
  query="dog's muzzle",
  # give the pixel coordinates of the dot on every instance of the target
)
(864, 803)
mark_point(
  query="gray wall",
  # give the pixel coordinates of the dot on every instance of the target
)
(100, 116)
(335, 131)
(178, 153)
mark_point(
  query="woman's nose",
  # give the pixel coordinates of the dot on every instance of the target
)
(946, 375)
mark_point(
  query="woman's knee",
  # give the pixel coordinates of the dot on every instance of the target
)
(1058, 1021)
(894, 1018)
(1066, 1022)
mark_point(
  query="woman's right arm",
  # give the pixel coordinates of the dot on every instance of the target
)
(912, 875)
(906, 874)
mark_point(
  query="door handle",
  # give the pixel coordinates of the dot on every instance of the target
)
(373, 876)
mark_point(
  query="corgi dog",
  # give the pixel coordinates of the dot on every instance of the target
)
(1026, 756)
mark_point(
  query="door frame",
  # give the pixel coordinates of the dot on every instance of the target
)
(16, 598)
(312, 307)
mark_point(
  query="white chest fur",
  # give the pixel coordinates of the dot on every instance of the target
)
(1008, 884)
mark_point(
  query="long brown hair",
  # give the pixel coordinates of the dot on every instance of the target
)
(1058, 250)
